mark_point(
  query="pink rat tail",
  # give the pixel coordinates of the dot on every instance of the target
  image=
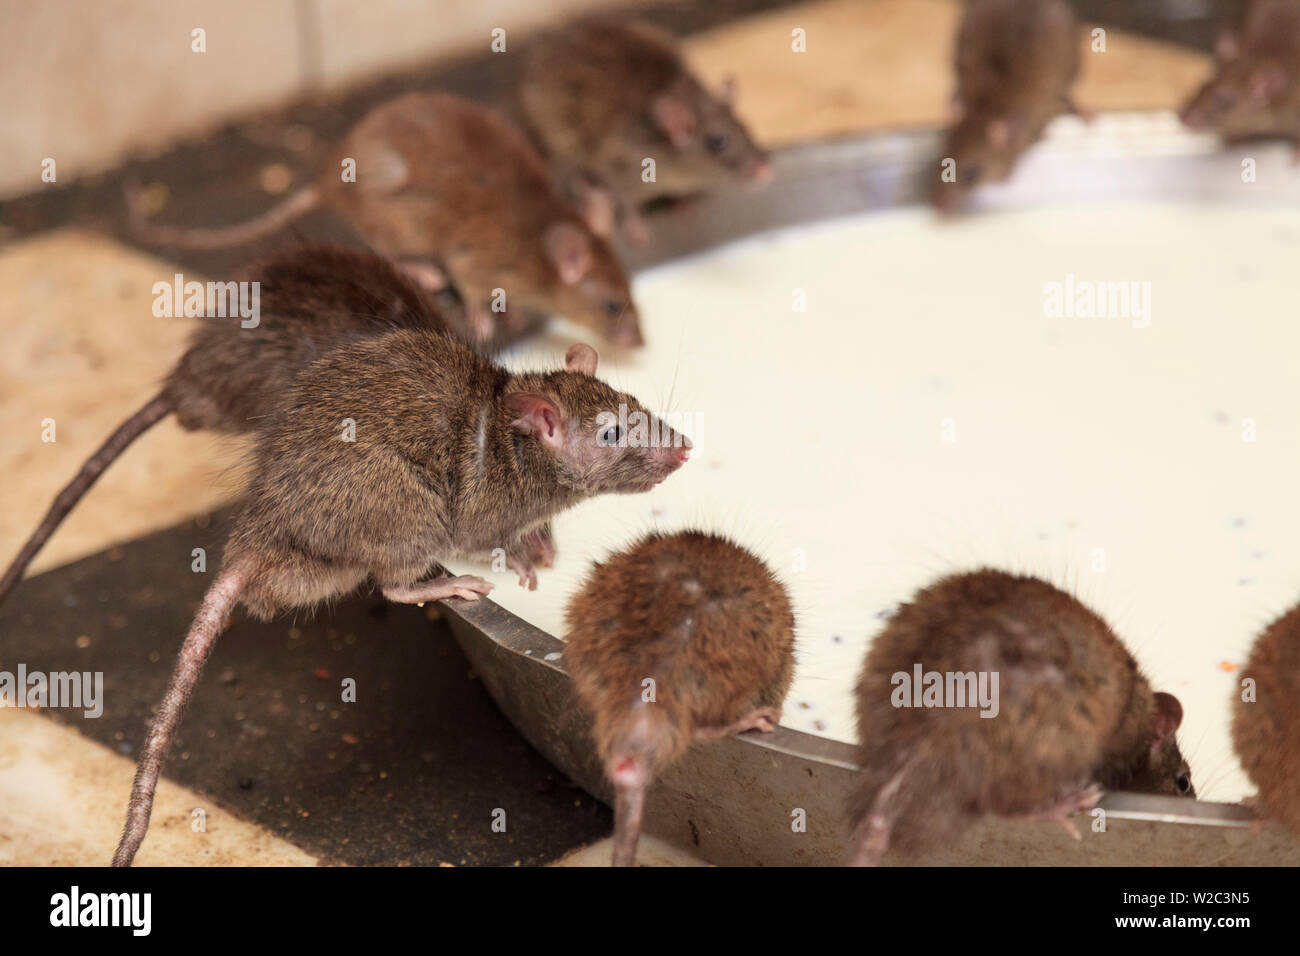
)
(297, 204)
(631, 777)
(649, 738)
(154, 410)
(209, 622)
(909, 803)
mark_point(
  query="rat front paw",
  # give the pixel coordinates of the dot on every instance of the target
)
(1079, 801)
(523, 566)
(540, 546)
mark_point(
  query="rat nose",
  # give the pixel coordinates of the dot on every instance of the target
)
(628, 337)
(946, 199)
(761, 171)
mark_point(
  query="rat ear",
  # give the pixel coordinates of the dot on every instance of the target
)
(674, 117)
(1268, 81)
(580, 358)
(427, 275)
(999, 132)
(596, 205)
(381, 169)
(569, 250)
(1227, 46)
(1169, 714)
(536, 416)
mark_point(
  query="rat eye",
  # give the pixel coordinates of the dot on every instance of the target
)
(610, 436)
(613, 308)
(1184, 780)
(715, 142)
(973, 174)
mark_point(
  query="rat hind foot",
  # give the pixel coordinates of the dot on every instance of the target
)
(468, 587)
(872, 840)
(1080, 801)
(765, 719)
(523, 566)
(540, 546)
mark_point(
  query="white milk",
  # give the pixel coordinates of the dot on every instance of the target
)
(926, 414)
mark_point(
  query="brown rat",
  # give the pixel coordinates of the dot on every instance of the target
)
(1265, 730)
(311, 299)
(1255, 90)
(709, 624)
(1070, 711)
(444, 185)
(602, 95)
(1016, 63)
(390, 454)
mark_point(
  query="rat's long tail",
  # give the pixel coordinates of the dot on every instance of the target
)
(209, 622)
(648, 737)
(631, 777)
(908, 804)
(154, 410)
(298, 204)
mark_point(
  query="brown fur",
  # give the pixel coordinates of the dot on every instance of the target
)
(587, 93)
(1074, 709)
(1016, 63)
(312, 298)
(473, 193)
(452, 455)
(702, 617)
(447, 182)
(417, 486)
(1266, 732)
(1256, 89)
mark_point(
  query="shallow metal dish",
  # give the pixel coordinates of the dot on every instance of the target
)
(734, 802)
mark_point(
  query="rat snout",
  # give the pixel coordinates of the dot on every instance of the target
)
(948, 199)
(674, 455)
(759, 170)
(629, 338)
(1192, 116)
(628, 335)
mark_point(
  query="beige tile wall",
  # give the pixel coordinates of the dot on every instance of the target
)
(88, 82)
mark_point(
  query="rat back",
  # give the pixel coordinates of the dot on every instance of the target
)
(590, 94)
(1068, 699)
(440, 176)
(358, 470)
(702, 618)
(312, 299)
(1016, 52)
(1016, 62)
(395, 451)
(588, 83)
(1266, 731)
